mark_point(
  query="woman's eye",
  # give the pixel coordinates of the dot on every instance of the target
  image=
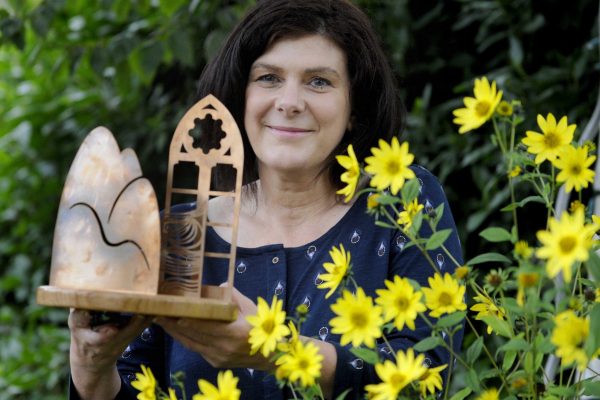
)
(267, 78)
(320, 83)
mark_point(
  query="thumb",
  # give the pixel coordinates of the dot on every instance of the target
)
(244, 304)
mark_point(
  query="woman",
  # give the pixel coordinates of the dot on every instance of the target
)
(303, 79)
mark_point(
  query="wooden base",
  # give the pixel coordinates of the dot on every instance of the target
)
(144, 304)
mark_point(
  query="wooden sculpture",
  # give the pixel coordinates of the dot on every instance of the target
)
(113, 252)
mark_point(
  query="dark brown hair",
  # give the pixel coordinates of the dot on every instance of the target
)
(377, 111)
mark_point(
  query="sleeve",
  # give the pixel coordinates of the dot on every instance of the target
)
(147, 349)
(352, 372)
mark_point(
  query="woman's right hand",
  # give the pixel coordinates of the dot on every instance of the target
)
(94, 353)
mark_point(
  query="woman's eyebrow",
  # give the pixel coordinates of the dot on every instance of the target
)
(312, 70)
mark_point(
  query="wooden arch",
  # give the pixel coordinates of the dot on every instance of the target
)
(183, 233)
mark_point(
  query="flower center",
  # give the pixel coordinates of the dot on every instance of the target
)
(393, 167)
(358, 320)
(551, 140)
(397, 379)
(482, 108)
(303, 363)
(268, 325)
(445, 299)
(402, 303)
(567, 244)
(576, 169)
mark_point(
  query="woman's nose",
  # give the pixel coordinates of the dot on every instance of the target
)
(290, 100)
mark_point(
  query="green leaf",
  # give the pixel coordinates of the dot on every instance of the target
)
(591, 388)
(515, 51)
(451, 320)
(593, 265)
(387, 199)
(516, 344)
(437, 239)
(536, 199)
(509, 360)
(474, 350)
(488, 257)
(410, 190)
(565, 391)
(472, 379)
(343, 395)
(368, 355)
(592, 342)
(499, 326)
(495, 234)
(461, 394)
(428, 343)
(145, 61)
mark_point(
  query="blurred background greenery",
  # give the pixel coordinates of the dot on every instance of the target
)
(67, 66)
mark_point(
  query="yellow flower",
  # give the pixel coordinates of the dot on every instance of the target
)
(389, 165)
(525, 280)
(172, 395)
(490, 394)
(554, 137)
(575, 205)
(461, 272)
(487, 307)
(400, 302)
(372, 202)
(566, 242)
(478, 109)
(300, 364)
(145, 383)
(396, 376)
(357, 319)
(573, 163)
(516, 171)
(569, 336)
(226, 388)
(268, 326)
(337, 270)
(405, 218)
(431, 380)
(504, 108)
(352, 174)
(523, 250)
(597, 295)
(444, 295)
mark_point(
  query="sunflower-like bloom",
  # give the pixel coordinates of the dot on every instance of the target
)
(490, 394)
(268, 326)
(406, 217)
(226, 388)
(523, 250)
(145, 383)
(396, 376)
(525, 280)
(300, 364)
(444, 295)
(431, 380)
(478, 109)
(400, 302)
(487, 307)
(389, 165)
(569, 336)
(351, 175)
(357, 319)
(567, 241)
(573, 163)
(553, 139)
(336, 271)
(504, 108)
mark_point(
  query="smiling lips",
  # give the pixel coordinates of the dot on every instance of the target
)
(288, 131)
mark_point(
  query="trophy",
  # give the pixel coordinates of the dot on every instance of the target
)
(114, 251)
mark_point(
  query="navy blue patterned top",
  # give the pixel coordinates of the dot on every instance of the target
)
(292, 274)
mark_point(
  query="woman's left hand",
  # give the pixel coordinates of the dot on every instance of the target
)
(222, 344)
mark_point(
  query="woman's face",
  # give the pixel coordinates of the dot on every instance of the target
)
(297, 104)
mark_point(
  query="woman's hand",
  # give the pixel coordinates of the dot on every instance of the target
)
(94, 353)
(222, 344)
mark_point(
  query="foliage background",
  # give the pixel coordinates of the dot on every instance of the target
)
(67, 66)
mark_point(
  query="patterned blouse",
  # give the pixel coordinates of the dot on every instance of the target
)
(292, 274)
